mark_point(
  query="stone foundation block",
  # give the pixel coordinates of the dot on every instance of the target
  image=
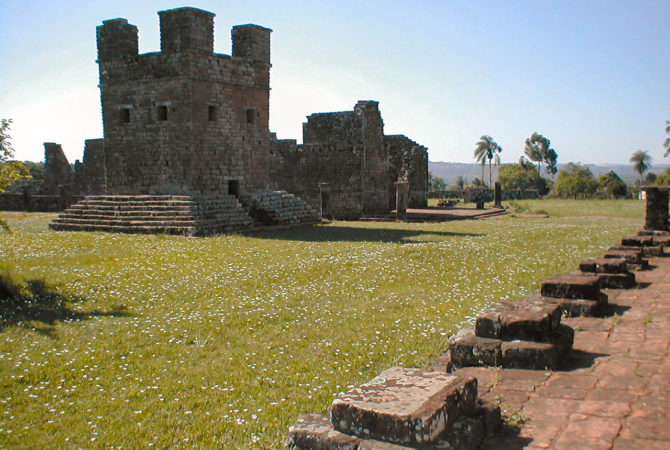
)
(647, 252)
(584, 286)
(531, 319)
(466, 349)
(637, 241)
(603, 265)
(633, 258)
(617, 280)
(404, 406)
(529, 355)
(314, 431)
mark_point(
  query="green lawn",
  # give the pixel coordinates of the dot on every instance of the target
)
(134, 341)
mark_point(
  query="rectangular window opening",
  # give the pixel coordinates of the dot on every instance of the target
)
(250, 115)
(125, 115)
(162, 112)
(211, 113)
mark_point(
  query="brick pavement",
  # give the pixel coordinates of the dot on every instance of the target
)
(613, 390)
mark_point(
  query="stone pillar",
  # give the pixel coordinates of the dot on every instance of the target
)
(65, 196)
(401, 198)
(656, 211)
(28, 201)
(497, 195)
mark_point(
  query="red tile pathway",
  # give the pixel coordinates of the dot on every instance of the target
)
(614, 390)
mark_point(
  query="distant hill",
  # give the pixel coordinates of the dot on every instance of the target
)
(450, 170)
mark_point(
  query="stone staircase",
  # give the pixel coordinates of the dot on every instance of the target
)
(278, 208)
(154, 214)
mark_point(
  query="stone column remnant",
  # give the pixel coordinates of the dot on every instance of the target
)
(656, 211)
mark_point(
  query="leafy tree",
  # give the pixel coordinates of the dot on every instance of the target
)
(613, 184)
(9, 170)
(663, 179)
(521, 176)
(649, 178)
(460, 182)
(641, 162)
(575, 179)
(485, 149)
(435, 183)
(666, 144)
(538, 149)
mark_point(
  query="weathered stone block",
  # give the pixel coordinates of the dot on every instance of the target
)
(530, 319)
(405, 406)
(617, 280)
(572, 286)
(467, 349)
(637, 241)
(315, 432)
(603, 265)
(529, 355)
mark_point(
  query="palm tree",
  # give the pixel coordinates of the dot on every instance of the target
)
(641, 162)
(538, 149)
(485, 149)
(666, 144)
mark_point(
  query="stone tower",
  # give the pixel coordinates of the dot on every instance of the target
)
(184, 120)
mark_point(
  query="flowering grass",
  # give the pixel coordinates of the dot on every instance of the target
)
(138, 341)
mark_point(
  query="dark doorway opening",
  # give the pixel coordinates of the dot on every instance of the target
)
(234, 188)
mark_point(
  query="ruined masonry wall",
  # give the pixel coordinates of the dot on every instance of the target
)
(406, 157)
(58, 171)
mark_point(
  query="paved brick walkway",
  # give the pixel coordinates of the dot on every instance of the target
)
(614, 390)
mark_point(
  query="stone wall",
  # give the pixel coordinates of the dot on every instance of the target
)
(409, 160)
(89, 175)
(184, 120)
(347, 166)
(58, 171)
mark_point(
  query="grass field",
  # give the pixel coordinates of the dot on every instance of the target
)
(136, 341)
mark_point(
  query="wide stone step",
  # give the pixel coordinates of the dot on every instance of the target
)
(187, 231)
(604, 265)
(531, 319)
(573, 285)
(404, 406)
(161, 222)
(634, 258)
(401, 409)
(576, 307)
(647, 251)
(466, 349)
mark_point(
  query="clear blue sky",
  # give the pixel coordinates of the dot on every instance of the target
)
(592, 76)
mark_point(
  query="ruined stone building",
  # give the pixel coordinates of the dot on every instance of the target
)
(192, 124)
(347, 166)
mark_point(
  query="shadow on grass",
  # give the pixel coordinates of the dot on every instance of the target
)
(38, 306)
(357, 234)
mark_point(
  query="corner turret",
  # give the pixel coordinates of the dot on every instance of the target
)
(251, 41)
(116, 39)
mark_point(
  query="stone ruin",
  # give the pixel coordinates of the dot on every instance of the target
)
(187, 147)
(348, 166)
(441, 407)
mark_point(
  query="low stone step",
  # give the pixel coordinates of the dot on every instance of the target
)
(647, 252)
(315, 431)
(617, 280)
(405, 406)
(572, 285)
(576, 307)
(186, 231)
(604, 265)
(633, 258)
(532, 319)
(466, 349)
(638, 241)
